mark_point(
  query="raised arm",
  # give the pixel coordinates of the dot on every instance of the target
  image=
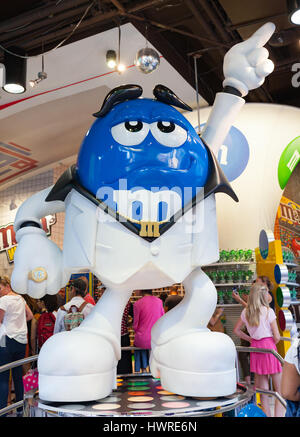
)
(245, 68)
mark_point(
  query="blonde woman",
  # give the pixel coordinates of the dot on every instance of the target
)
(14, 313)
(260, 321)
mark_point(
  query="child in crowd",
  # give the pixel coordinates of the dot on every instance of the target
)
(260, 321)
(264, 280)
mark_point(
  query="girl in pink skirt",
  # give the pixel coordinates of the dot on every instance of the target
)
(260, 321)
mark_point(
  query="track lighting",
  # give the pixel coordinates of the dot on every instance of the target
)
(293, 7)
(15, 70)
(111, 59)
(42, 75)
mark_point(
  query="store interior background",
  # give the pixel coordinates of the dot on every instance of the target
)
(42, 129)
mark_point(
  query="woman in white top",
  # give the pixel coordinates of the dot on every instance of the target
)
(14, 313)
(290, 382)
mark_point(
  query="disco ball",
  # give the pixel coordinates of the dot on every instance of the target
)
(147, 60)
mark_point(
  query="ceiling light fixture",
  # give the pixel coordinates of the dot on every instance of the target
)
(15, 71)
(147, 59)
(293, 7)
(120, 67)
(42, 75)
(111, 58)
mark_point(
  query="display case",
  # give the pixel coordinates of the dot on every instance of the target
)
(234, 272)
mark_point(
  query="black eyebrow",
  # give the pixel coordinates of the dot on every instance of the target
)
(118, 95)
(165, 95)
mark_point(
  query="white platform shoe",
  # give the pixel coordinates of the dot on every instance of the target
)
(76, 366)
(199, 363)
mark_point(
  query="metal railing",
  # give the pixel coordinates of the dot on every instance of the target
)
(33, 358)
(9, 366)
(276, 355)
(260, 350)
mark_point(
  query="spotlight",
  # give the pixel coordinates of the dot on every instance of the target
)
(111, 59)
(15, 71)
(121, 68)
(293, 7)
(42, 75)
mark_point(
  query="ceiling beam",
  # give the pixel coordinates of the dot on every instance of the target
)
(118, 5)
(31, 41)
(175, 30)
(256, 21)
(41, 26)
(39, 13)
(219, 28)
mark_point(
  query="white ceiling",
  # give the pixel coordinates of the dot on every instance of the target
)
(55, 115)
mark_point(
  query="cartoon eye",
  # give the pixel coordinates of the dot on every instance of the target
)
(168, 133)
(130, 133)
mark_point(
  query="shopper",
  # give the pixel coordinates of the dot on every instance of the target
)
(14, 312)
(265, 280)
(146, 311)
(87, 297)
(38, 310)
(77, 293)
(35, 308)
(163, 296)
(260, 321)
(171, 302)
(125, 363)
(290, 382)
(46, 322)
(215, 324)
(244, 357)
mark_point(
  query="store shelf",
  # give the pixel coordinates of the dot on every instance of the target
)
(230, 284)
(229, 263)
(229, 305)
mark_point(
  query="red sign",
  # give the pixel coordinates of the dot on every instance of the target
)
(8, 241)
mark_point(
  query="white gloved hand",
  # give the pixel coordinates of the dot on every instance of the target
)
(36, 251)
(246, 64)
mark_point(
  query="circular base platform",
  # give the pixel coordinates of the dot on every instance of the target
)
(138, 397)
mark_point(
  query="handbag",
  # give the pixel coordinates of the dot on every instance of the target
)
(31, 380)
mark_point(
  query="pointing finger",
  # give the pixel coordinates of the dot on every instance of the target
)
(262, 35)
(258, 39)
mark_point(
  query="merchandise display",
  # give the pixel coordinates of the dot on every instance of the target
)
(107, 217)
(283, 276)
(236, 255)
(233, 273)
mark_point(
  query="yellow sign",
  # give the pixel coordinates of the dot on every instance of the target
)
(289, 211)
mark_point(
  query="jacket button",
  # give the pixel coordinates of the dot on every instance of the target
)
(154, 250)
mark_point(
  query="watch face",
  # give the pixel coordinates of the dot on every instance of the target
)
(39, 274)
